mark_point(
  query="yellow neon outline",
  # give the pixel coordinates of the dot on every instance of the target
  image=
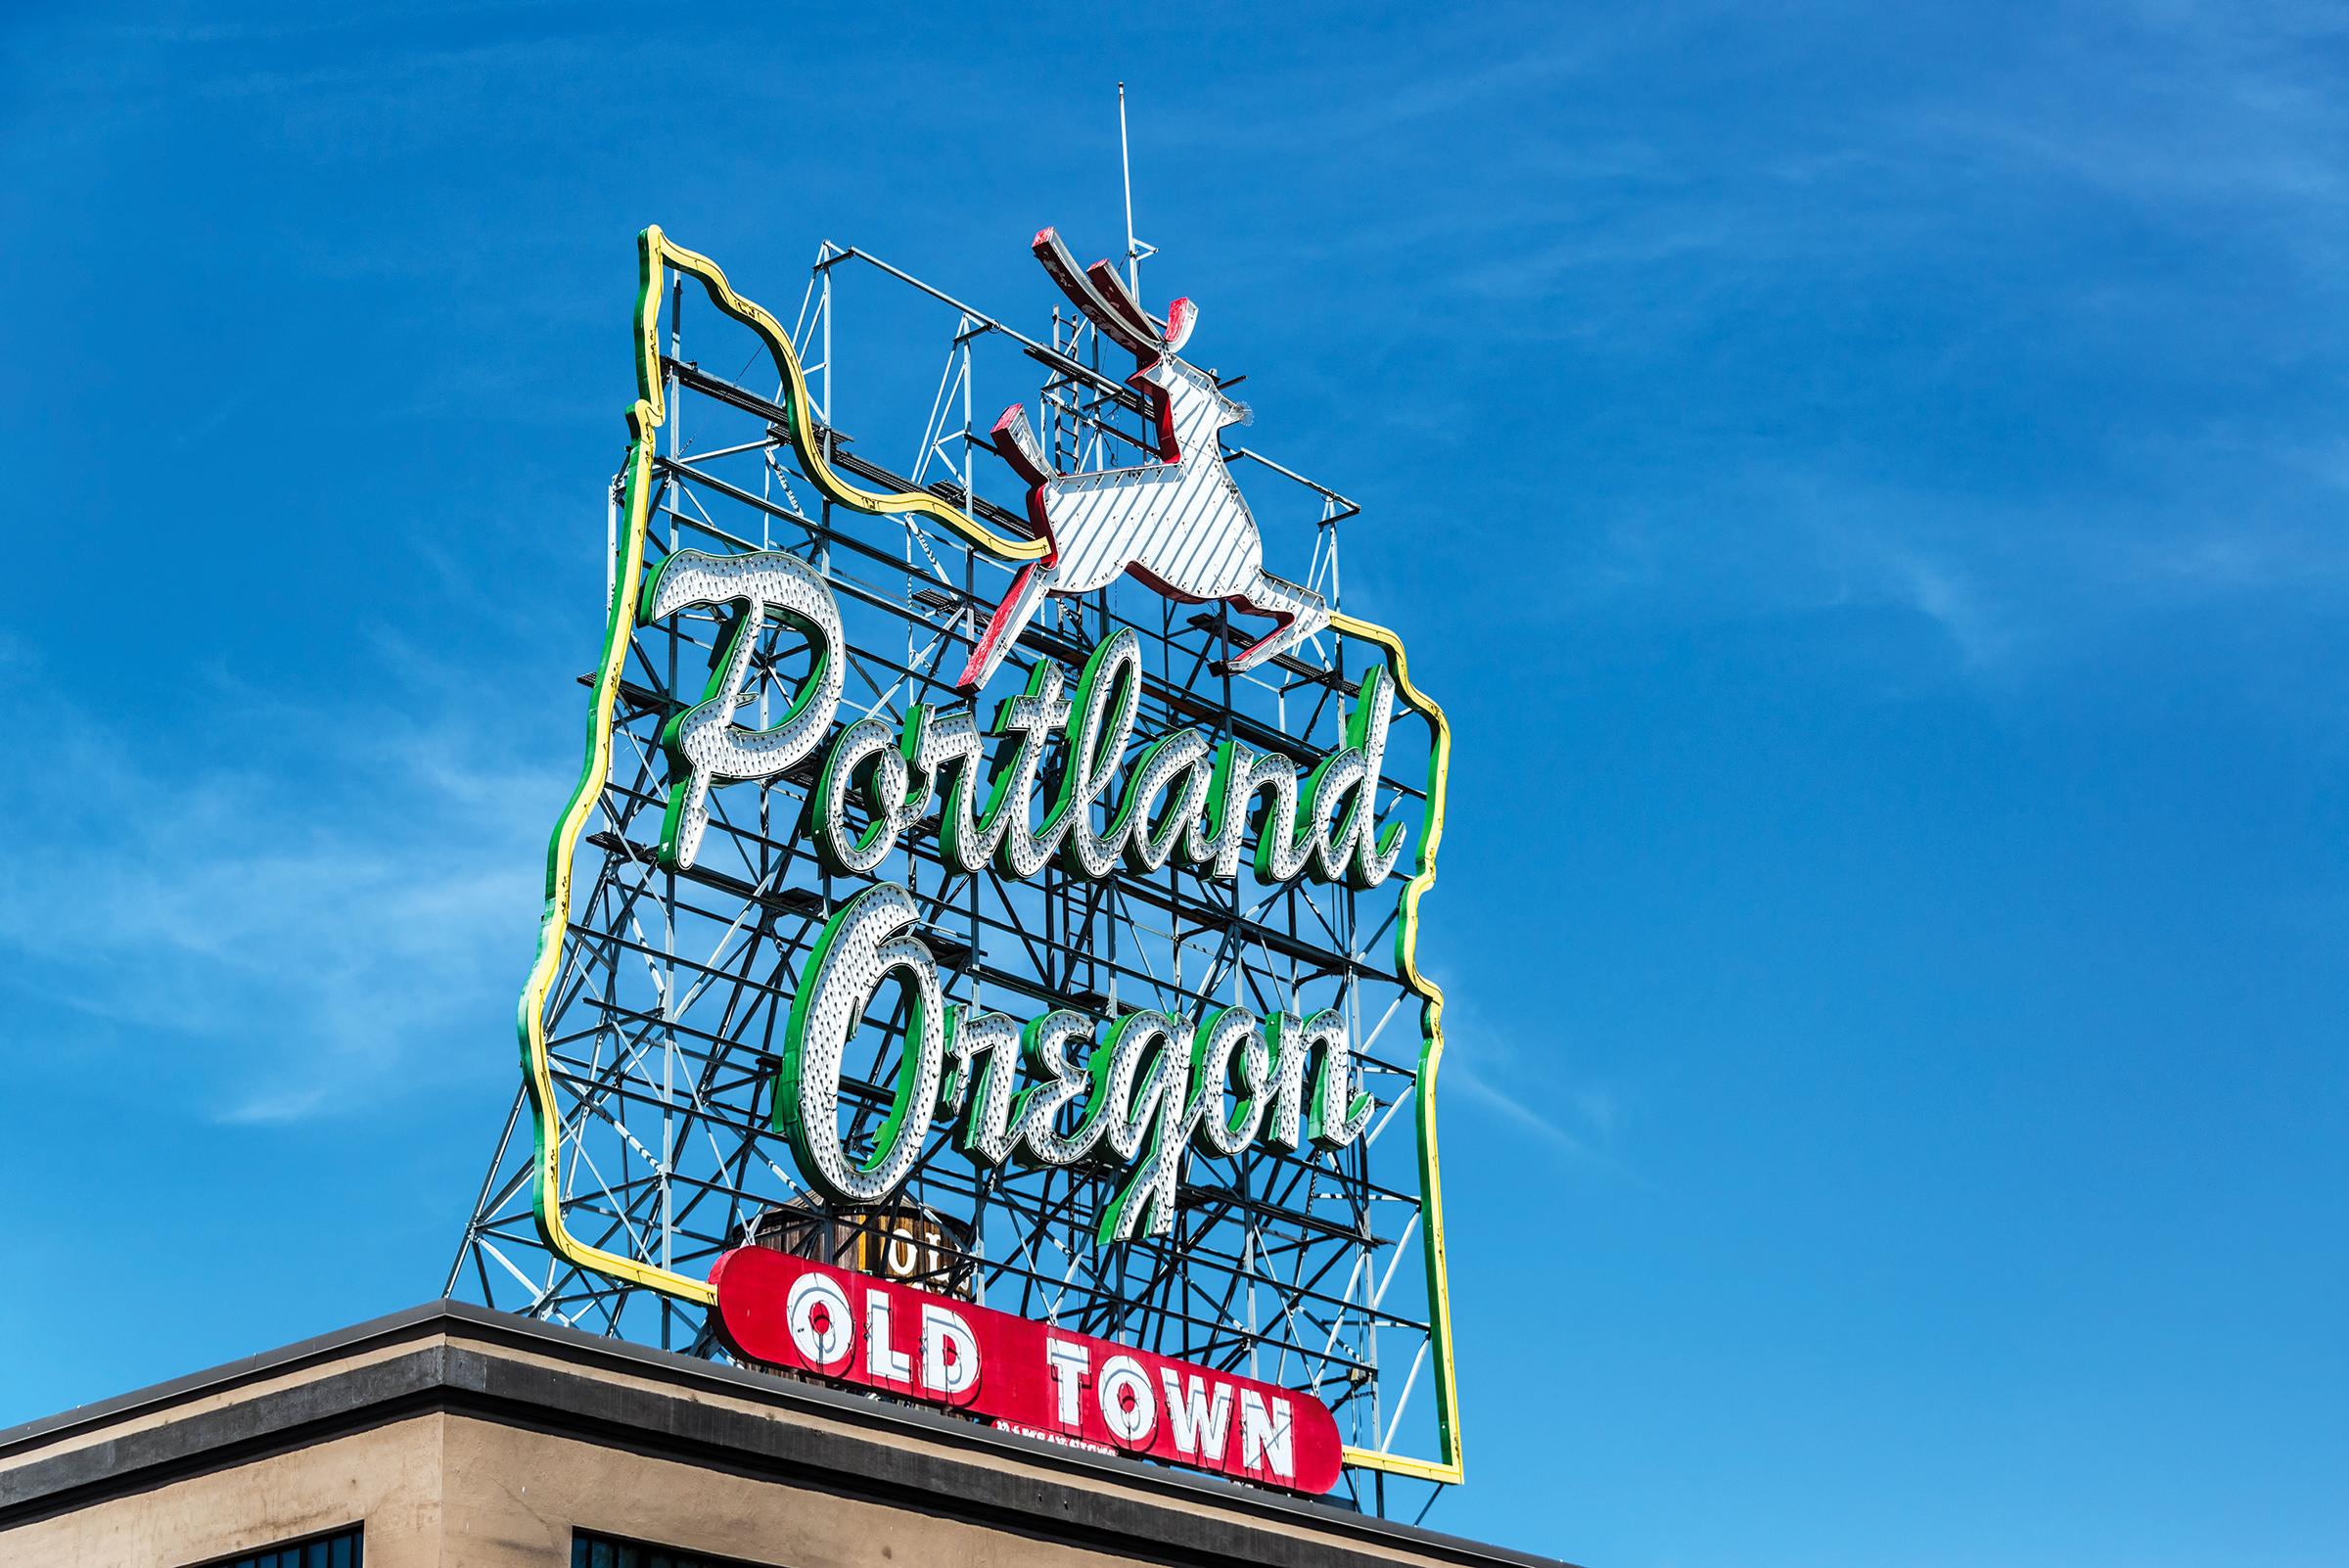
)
(1447, 1469)
(645, 416)
(795, 401)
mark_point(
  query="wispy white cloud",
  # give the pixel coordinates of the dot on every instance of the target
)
(2037, 348)
(2230, 103)
(1578, 1121)
(281, 932)
(1509, 1108)
(265, 1109)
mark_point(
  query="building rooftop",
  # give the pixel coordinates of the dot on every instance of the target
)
(459, 1435)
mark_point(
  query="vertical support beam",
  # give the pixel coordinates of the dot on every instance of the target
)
(1133, 256)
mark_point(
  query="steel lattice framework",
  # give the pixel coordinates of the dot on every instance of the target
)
(645, 1151)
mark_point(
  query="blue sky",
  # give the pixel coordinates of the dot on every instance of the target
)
(1876, 475)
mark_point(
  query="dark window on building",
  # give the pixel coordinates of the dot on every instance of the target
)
(342, 1548)
(610, 1551)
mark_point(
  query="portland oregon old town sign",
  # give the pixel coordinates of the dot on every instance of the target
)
(980, 954)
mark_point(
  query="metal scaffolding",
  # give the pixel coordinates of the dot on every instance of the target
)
(668, 1007)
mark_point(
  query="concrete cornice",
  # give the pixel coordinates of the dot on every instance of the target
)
(657, 1401)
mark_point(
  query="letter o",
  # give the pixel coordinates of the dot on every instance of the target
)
(822, 1329)
(1129, 1407)
(867, 747)
(902, 1260)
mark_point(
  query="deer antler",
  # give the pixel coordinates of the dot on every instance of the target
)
(1182, 315)
(1115, 312)
(1112, 288)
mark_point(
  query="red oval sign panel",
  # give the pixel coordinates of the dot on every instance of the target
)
(1027, 1377)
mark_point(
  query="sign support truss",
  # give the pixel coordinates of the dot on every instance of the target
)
(639, 1148)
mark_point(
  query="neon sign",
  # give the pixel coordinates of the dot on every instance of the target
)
(1073, 965)
(1021, 1375)
(1155, 1084)
(1180, 524)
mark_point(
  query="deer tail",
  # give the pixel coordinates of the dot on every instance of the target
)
(1017, 445)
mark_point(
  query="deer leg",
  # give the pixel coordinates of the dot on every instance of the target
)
(1298, 614)
(1003, 629)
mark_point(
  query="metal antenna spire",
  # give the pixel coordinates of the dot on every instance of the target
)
(1136, 249)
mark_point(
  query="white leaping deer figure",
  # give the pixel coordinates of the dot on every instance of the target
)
(1180, 524)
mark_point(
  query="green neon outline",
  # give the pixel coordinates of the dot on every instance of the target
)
(1033, 1067)
(783, 1116)
(1163, 1060)
(747, 615)
(831, 781)
(1209, 1098)
(1129, 688)
(1317, 1109)
(970, 1128)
